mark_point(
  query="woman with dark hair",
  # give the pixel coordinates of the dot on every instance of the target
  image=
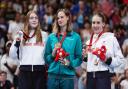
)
(29, 47)
(63, 52)
(102, 53)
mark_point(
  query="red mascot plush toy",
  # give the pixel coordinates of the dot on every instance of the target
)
(101, 53)
(60, 54)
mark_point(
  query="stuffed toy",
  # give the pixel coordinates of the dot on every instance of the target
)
(101, 53)
(60, 54)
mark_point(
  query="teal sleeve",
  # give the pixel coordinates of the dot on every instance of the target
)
(77, 54)
(48, 52)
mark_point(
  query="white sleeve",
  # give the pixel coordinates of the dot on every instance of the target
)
(117, 57)
(122, 83)
(10, 27)
(13, 51)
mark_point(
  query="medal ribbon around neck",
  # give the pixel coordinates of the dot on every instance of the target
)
(91, 39)
(63, 37)
(60, 52)
(27, 36)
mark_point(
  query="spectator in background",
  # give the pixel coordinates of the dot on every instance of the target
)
(124, 83)
(41, 11)
(2, 42)
(125, 1)
(15, 26)
(125, 50)
(55, 4)
(115, 81)
(124, 16)
(81, 10)
(3, 8)
(120, 33)
(61, 70)
(8, 64)
(28, 47)
(33, 5)
(3, 26)
(67, 4)
(48, 18)
(74, 24)
(107, 7)
(95, 7)
(17, 6)
(3, 34)
(86, 32)
(107, 28)
(4, 83)
(10, 12)
(83, 77)
(25, 7)
(116, 19)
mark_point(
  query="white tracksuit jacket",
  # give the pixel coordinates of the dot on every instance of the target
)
(113, 50)
(31, 53)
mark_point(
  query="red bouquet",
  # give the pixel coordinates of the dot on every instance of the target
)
(101, 53)
(60, 54)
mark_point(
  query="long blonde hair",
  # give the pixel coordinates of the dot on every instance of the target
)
(56, 27)
(26, 29)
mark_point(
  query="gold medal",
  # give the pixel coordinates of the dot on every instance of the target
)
(58, 45)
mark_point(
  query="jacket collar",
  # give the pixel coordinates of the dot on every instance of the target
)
(68, 34)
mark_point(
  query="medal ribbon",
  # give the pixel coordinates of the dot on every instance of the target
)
(91, 39)
(26, 36)
(63, 37)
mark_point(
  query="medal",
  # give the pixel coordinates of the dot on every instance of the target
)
(96, 62)
(90, 45)
(60, 52)
(58, 45)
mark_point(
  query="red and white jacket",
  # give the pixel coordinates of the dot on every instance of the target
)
(112, 50)
(31, 53)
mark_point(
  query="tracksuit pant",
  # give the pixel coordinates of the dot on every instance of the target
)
(32, 79)
(98, 80)
(60, 82)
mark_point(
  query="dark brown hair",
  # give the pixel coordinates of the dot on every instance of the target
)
(102, 16)
(3, 72)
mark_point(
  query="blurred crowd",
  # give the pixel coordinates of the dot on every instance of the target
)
(12, 14)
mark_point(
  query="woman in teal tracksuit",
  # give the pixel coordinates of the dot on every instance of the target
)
(61, 73)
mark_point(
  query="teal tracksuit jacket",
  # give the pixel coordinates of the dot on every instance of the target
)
(72, 45)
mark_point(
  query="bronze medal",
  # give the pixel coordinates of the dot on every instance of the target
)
(96, 62)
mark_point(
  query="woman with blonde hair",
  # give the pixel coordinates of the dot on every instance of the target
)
(29, 47)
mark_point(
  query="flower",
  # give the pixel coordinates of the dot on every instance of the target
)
(61, 54)
(101, 53)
